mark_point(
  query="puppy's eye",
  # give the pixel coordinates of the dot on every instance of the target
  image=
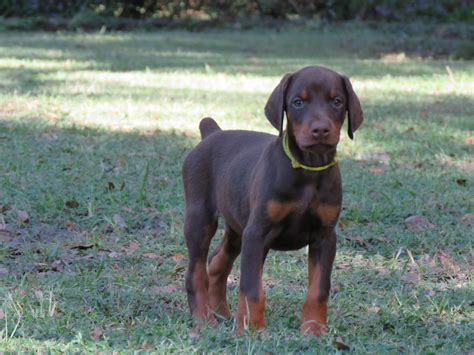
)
(297, 102)
(337, 102)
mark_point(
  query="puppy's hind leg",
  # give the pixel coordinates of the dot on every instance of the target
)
(220, 266)
(199, 227)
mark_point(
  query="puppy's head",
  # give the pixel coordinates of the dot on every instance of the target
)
(315, 100)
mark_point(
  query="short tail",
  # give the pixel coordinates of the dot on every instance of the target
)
(208, 126)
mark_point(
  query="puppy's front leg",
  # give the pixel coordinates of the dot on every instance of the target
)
(251, 305)
(320, 259)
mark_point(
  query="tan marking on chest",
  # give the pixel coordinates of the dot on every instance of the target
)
(328, 214)
(278, 210)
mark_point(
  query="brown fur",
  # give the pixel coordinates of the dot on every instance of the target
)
(246, 178)
(278, 210)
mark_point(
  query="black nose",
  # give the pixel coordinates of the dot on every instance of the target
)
(320, 130)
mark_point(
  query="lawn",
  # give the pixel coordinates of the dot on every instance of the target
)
(93, 130)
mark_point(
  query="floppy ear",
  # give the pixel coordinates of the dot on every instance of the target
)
(275, 107)
(354, 110)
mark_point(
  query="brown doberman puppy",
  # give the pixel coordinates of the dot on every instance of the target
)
(279, 193)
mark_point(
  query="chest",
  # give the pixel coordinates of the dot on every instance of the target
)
(307, 203)
(299, 221)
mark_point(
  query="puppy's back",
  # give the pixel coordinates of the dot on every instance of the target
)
(220, 153)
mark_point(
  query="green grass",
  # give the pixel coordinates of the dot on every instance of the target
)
(93, 130)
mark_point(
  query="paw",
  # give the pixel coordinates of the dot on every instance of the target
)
(204, 318)
(312, 327)
(243, 324)
(222, 311)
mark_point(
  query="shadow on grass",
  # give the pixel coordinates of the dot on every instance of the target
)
(257, 53)
(103, 246)
(104, 236)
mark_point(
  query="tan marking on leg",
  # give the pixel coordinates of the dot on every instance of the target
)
(314, 315)
(219, 270)
(200, 285)
(250, 314)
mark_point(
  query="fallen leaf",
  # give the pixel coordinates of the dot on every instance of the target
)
(72, 204)
(163, 289)
(449, 265)
(411, 277)
(382, 271)
(177, 257)
(467, 166)
(110, 186)
(114, 254)
(408, 130)
(151, 255)
(147, 345)
(132, 247)
(428, 260)
(461, 182)
(22, 216)
(419, 223)
(376, 169)
(97, 333)
(119, 221)
(468, 218)
(469, 140)
(374, 309)
(340, 345)
(344, 265)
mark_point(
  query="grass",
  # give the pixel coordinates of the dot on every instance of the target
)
(93, 130)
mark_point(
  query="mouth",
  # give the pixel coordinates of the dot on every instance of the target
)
(316, 146)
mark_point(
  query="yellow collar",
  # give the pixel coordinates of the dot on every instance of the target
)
(296, 164)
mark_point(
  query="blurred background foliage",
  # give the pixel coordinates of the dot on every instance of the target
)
(448, 20)
(230, 10)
